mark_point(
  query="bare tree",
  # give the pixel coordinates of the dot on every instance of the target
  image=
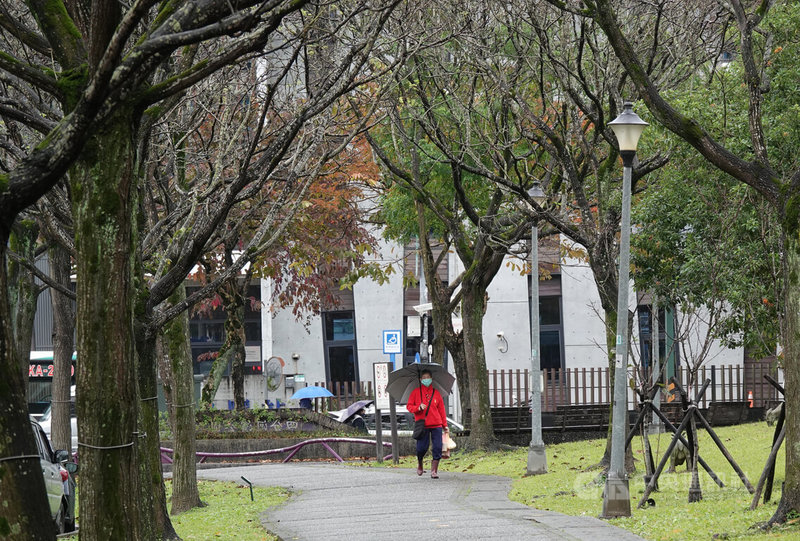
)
(111, 64)
(758, 165)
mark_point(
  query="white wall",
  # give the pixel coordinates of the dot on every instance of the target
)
(378, 308)
(584, 327)
(508, 311)
(295, 337)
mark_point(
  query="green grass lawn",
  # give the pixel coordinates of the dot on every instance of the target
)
(569, 486)
(229, 513)
(228, 510)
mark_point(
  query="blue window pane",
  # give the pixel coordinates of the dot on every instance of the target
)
(339, 326)
(550, 349)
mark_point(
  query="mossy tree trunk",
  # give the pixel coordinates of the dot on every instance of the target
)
(154, 498)
(22, 290)
(63, 346)
(104, 206)
(481, 432)
(233, 299)
(232, 351)
(790, 496)
(24, 511)
(185, 495)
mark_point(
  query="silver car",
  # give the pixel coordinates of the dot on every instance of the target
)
(57, 481)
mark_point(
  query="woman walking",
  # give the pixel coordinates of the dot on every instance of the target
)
(426, 403)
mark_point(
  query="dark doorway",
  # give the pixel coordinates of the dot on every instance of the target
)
(341, 362)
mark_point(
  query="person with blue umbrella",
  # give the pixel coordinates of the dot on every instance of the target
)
(306, 394)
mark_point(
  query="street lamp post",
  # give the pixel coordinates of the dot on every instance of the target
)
(628, 128)
(537, 458)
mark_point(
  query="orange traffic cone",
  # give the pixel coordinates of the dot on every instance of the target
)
(750, 398)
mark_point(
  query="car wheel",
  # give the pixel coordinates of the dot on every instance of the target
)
(60, 518)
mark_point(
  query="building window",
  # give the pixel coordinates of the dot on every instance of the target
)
(339, 326)
(207, 328)
(339, 331)
(551, 328)
(666, 341)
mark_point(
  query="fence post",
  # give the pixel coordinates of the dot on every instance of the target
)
(527, 390)
(713, 383)
(510, 388)
(742, 392)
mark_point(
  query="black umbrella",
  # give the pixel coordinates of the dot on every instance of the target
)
(352, 409)
(404, 380)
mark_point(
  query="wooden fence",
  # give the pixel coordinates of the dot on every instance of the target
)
(589, 386)
(344, 393)
(592, 386)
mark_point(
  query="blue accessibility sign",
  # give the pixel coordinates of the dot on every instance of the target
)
(392, 342)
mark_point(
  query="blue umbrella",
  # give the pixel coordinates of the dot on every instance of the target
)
(311, 391)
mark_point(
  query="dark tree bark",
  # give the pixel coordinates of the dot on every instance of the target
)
(107, 395)
(22, 290)
(26, 515)
(63, 346)
(153, 497)
(232, 352)
(478, 276)
(185, 495)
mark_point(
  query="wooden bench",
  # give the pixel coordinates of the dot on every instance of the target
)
(727, 413)
(583, 417)
(515, 420)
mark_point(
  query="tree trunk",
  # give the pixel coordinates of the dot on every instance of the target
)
(23, 291)
(154, 496)
(441, 296)
(104, 208)
(63, 346)
(481, 432)
(185, 495)
(235, 338)
(24, 513)
(232, 350)
(790, 496)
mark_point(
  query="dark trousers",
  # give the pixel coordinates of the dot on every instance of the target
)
(434, 434)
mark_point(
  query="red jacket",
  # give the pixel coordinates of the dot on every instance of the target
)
(437, 418)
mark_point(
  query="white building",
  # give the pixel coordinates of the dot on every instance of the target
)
(342, 344)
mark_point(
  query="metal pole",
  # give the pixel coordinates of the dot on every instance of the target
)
(537, 457)
(378, 435)
(656, 361)
(423, 298)
(393, 420)
(616, 496)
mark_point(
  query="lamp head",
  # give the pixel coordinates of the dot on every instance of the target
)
(537, 193)
(628, 128)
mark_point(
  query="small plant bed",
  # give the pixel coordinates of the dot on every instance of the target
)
(261, 424)
(573, 488)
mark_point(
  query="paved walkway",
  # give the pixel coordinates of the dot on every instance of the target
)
(332, 501)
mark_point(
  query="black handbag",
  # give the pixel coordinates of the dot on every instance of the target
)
(419, 426)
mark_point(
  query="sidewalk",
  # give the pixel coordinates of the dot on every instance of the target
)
(332, 501)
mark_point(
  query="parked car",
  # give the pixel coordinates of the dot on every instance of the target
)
(405, 421)
(46, 420)
(58, 481)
